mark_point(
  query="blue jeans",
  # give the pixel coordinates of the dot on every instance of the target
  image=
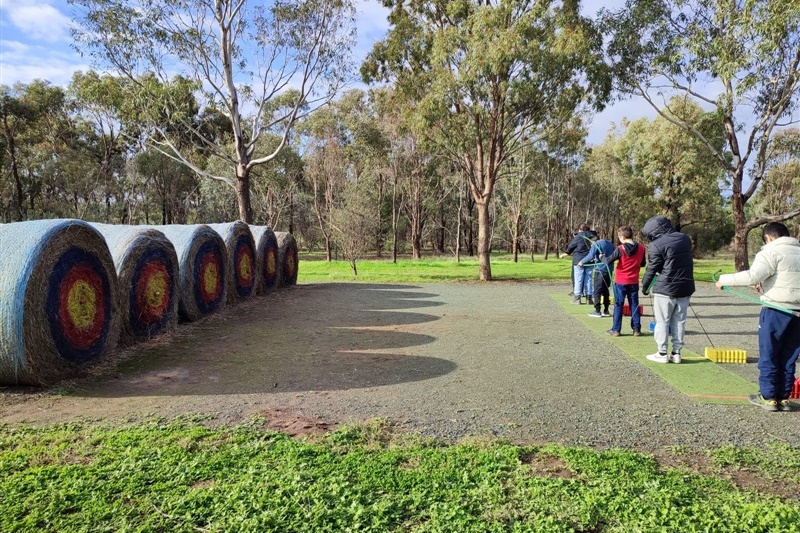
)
(778, 349)
(632, 293)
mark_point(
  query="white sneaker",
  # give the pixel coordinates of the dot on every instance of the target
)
(658, 358)
(675, 358)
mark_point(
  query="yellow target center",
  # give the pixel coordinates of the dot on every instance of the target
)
(291, 263)
(245, 266)
(210, 278)
(82, 305)
(155, 290)
(271, 263)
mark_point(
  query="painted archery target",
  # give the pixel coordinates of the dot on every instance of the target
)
(59, 309)
(79, 306)
(266, 257)
(287, 259)
(242, 281)
(147, 268)
(202, 269)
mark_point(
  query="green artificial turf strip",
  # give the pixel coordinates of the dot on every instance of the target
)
(697, 377)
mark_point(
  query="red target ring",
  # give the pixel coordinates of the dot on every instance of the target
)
(81, 306)
(153, 292)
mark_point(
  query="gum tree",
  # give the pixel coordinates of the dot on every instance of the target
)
(482, 75)
(740, 58)
(241, 54)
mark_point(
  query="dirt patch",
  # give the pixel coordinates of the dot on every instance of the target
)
(293, 423)
(546, 465)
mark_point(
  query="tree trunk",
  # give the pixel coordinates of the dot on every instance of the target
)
(515, 238)
(416, 240)
(547, 236)
(243, 195)
(379, 230)
(484, 232)
(741, 261)
(395, 216)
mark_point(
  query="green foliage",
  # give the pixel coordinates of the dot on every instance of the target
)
(448, 270)
(182, 476)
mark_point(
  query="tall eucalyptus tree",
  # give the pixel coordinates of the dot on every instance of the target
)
(484, 74)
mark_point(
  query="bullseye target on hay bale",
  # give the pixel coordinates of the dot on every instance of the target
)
(266, 257)
(202, 265)
(147, 269)
(242, 280)
(58, 300)
(287, 259)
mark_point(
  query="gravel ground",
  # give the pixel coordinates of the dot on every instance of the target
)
(451, 361)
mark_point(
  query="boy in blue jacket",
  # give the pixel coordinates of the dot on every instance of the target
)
(601, 276)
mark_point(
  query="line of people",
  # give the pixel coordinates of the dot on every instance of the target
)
(669, 276)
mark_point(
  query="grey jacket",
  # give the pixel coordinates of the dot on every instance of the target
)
(777, 268)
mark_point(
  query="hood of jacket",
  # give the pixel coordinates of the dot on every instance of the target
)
(630, 248)
(657, 227)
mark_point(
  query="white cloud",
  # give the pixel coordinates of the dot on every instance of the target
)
(40, 21)
(23, 63)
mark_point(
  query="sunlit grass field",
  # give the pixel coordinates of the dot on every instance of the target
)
(314, 269)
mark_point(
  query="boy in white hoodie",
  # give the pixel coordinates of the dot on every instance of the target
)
(775, 273)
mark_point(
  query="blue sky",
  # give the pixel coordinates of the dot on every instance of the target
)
(35, 44)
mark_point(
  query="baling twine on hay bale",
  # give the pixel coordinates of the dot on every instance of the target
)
(147, 269)
(266, 257)
(202, 265)
(58, 300)
(242, 280)
(287, 259)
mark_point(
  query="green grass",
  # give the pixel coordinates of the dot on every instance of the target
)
(697, 377)
(183, 476)
(313, 269)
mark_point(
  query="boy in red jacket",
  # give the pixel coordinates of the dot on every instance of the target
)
(631, 256)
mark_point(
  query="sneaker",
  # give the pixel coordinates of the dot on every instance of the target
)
(658, 357)
(767, 405)
(613, 333)
(605, 314)
(675, 358)
(595, 314)
(784, 405)
(576, 300)
(637, 333)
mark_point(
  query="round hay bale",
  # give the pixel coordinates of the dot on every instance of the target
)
(147, 270)
(241, 248)
(202, 265)
(58, 300)
(266, 257)
(287, 259)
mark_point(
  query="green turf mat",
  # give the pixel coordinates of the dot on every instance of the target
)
(697, 377)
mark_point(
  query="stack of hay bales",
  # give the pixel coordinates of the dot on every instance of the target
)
(58, 300)
(287, 259)
(203, 265)
(242, 280)
(147, 269)
(266, 257)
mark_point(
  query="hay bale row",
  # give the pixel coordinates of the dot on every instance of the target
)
(58, 300)
(70, 290)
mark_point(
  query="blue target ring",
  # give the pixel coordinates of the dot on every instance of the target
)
(78, 343)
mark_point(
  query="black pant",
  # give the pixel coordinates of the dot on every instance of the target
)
(602, 281)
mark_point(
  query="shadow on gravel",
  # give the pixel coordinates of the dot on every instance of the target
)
(306, 338)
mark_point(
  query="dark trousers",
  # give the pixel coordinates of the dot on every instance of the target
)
(602, 282)
(778, 349)
(631, 292)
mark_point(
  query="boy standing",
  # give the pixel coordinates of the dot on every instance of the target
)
(669, 257)
(577, 248)
(626, 280)
(601, 275)
(775, 272)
